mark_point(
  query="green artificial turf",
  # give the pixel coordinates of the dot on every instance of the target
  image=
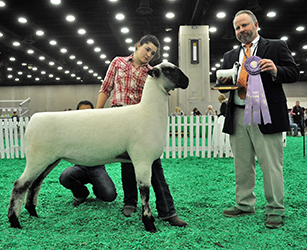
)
(201, 188)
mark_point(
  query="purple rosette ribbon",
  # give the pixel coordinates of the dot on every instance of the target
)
(255, 102)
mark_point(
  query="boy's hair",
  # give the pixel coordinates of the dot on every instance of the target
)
(85, 102)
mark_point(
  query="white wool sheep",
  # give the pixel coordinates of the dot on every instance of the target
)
(135, 133)
(228, 72)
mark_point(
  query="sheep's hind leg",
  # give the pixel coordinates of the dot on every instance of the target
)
(33, 191)
(16, 200)
(147, 217)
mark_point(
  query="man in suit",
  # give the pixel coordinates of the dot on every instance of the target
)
(263, 141)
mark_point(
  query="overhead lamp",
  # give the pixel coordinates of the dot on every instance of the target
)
(124, 30)
(144, 8)
(81, 31)
(70, 18)
(28, 39)
(170, 15)
(22, 20)
(253, 6)
(120, 16)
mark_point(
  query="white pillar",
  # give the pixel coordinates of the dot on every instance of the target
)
(194, 61)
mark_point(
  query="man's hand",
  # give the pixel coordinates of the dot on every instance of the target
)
(269, 66)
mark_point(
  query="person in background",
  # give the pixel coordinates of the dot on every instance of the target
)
(297, 113)
(15, 115)
(127, 76)
(210, 111)
(196, 112)
(261, 140)
(294, 126)
(75, 178)
(222, 99)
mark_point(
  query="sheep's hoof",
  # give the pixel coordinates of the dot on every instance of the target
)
(149, 224)
(31, 209)
(14, 221)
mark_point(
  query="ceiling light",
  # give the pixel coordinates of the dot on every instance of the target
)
(12, 59)
(36, 79)
(221, 15)
(79, 62)
(34, 68)
(293, 53)
(55, 1)
(60, 68)
(66, 72)
(212, 29)
(113, 1)
(131, 49)
(90, 71)
(19, 73)
(170, 15)
(90, 41)
(166, 47)
(85, 67)
(16, 43)
(165, 55)
(53, 42)
(81, 31)
(97, 49)
(300, 28)
(70, 18)
(9, 69)
(17, 79)
(124, 30)
(2, 4)
(10, 76)
(1, 34)
(58, 78)
(72, 57)
(103, 56)
(305, 47)
(22, 20)
(43, 72)
(284, 38)
(120, 16)
(63, 50)
(39, 33)
(30, 51)
(41, 58)
(51, 63)
(29, 76)
(128, 40)
(271, 14)
(107, 62)
(167, 39)
(50, 75)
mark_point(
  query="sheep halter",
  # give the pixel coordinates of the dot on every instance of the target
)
(256, 102)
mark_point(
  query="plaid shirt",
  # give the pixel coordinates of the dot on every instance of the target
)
(126, 80)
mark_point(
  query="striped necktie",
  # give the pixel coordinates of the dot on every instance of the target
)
(243, 74)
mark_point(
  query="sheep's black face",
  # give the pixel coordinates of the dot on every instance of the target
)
(176, 78)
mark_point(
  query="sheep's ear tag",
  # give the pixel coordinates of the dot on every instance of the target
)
(154, 72)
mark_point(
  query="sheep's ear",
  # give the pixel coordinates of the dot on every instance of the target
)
(154, 72)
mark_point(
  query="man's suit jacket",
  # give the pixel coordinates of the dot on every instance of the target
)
(287, 72)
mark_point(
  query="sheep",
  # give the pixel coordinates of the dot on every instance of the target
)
(228, 72)
(134, 133)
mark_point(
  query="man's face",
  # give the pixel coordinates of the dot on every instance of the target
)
(245, 29)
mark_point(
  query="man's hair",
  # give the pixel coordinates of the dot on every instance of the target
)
(85, 102)
(248, 12)
(150, 39)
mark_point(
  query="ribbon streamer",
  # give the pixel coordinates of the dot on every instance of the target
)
(255, 102)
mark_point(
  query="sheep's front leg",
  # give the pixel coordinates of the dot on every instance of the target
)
(147, 217)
